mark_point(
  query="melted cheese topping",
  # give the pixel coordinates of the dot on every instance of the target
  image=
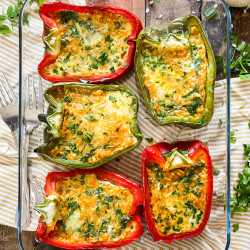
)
(93, 43)
(178, 197)
(96, 124)
(175, 75)
(92, 210)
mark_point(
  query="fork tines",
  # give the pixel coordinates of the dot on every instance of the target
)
(7, 95)
(33, 97)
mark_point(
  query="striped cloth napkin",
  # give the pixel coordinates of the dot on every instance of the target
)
(214, 235)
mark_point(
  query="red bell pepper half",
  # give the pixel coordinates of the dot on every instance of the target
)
(43, 231)
(45, 12)
(154, 153)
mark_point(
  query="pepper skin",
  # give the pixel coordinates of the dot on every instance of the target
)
(42, 232)
(178, 29)
(50, 27)
(54, 119)
(154, 153)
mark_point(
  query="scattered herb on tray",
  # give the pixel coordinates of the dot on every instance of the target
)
(210, 12)
(216, 171)
(220, 122)
(242, 105)
(233, 139)
(149, 139)
(235, 227)
(241, 199)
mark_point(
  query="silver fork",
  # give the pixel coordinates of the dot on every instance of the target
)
(9, 106)
(33, 106)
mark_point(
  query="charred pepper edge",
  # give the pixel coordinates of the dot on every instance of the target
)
(161, 148)
(157, 31)
(119, 180)
(49, 24)
(52, 131)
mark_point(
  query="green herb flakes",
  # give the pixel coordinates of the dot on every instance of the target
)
(149, 139)
(242, 105)
(210, 13)
(220, 122)
(216, 171)
(235, 227)
(233, 139)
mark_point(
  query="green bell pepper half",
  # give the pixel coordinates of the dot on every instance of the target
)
(179, 29)
(54, 120)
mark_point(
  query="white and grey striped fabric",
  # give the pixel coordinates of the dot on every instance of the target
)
(214, 235)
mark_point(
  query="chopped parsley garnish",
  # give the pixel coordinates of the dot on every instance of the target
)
(79, 132)
(220, 122)
(117, 25)
(149, 139)
(67, 99)
(194, 106)
(197, 62)
(64, 42)
(216, 171)
(242, 105)
(67, 15)
(63, 225)
(232, 137)
(55, 71)
(66, 59)
(107, 38)
(87, 156)
(180, 220)
(91, 118)
(88, 47)
(158, 174)
(210, 12)
(112, 98)
(87, 25)
(112, 69)
(73, 205)
(166, 229)
(236, 227)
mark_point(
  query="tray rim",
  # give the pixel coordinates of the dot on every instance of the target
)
(228, 115)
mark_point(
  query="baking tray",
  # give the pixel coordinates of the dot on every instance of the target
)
(216, 235)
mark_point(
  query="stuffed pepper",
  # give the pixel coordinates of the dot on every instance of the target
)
(178, 188)
(175, 68)
(89, 125)
(90, 43)
(89, 209)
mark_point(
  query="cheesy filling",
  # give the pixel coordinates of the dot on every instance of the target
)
(92, 210)
(178, 197)
(96, 124)
(92, 43)
(175, 75)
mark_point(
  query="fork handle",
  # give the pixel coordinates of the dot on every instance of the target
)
(15, 136)
(25, 195)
